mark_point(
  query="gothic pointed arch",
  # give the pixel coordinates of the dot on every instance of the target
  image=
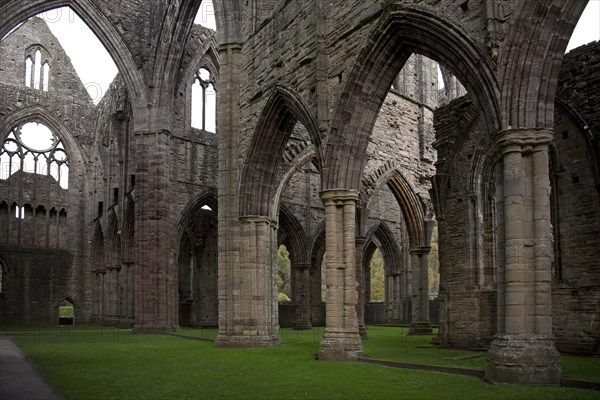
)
(411, 205)
(294, 237)
(539, 33)
(392, 255)
(208, 198)
(14, 12)
(275, 125)
(400, 32)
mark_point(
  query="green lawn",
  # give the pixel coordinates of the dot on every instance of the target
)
(121, 365)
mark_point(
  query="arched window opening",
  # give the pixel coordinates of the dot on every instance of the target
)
(206, 15)
(28, 71)
(66, 313)
(45, 76)
(19, 212)
(37, 68)
(377, 277)
(204, 101)
(34, 148)
(283, 274)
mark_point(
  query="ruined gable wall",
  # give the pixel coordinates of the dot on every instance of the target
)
(45, 252)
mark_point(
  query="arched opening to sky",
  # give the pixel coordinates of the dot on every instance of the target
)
(90, 59)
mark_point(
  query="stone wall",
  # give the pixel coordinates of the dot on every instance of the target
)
(45, 251)
(464, 175)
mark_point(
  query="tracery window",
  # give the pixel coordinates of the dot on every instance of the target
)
(37, 68)
(204, 101)
(32, 147)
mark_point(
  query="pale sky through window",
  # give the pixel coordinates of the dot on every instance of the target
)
(588, 27)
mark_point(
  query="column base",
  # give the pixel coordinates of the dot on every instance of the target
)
(246, 341)
(420, 328)
(523, 361)
(362, 331)
(302, 325)
(339, 345)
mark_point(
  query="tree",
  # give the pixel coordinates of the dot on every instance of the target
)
(283, 273)
(377, 277)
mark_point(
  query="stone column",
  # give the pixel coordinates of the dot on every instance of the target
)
(155, 275)
(523, 350)
(396, 299)
(359, 244)
(420, 324)
(341, 340)
(302, 295)
(255, 312)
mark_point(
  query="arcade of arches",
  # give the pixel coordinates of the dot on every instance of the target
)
(342, 130)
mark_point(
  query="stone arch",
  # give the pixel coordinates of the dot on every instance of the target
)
(14, 12)
(194, 249)
(411, 205)
(400, 32)
(66, 302)
(275, 125)
(208, 198)
(392, 255)
(294, 237)
(307, 156)
(538, 33)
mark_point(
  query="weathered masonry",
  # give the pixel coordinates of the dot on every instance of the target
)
(323, 127)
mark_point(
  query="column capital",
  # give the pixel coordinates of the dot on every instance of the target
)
(360, 240)
(522, 140)
(258, 219)
(419, 251)
(301, 265)
(339, 196)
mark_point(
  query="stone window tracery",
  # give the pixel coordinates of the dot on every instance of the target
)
(37, 68)
(204, 101)
(32, 147)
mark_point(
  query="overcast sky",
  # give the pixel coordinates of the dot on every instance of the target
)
(97, 70)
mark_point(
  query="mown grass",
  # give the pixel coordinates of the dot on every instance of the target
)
(121, 365)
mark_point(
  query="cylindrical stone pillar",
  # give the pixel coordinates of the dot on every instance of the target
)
(523, 351)
(420, 324)
(359, 243)
(341, 340)
(302, 295)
